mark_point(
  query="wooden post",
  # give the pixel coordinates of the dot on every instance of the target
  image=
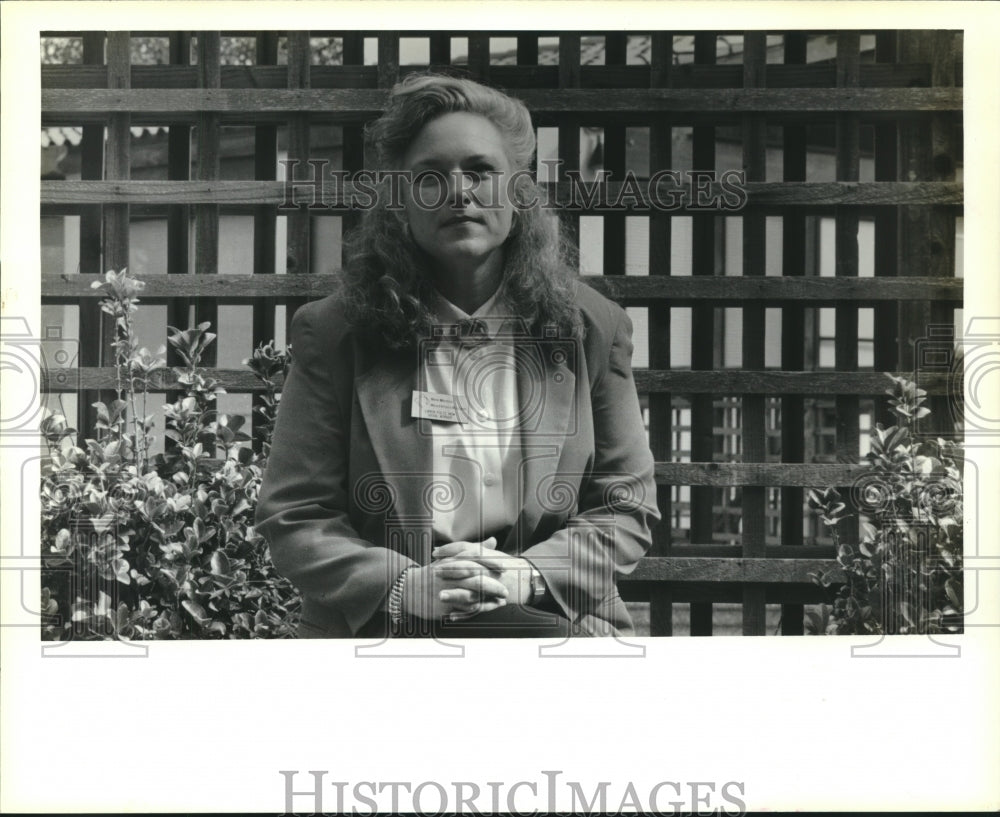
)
(793, 330)
(928, 151)
(178, 217)
(846, 263)
(479, 57)
(886, 349)
(96, 333)
(299, 221)
(265, 156)
(660, 407)
(569, 126)
(117, 163)
(388, 59)
(615, 164)
(116, 216)
(703, 342)
(440, 51)
(527, 49)
(353, 149)
(207, 165)
(754, 259)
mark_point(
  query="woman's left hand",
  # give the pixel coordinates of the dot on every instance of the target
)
(511, 571)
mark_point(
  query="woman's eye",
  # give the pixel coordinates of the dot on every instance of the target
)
(428, 182)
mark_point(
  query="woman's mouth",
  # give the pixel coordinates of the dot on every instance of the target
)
(462, 220)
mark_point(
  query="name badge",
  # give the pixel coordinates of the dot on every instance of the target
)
(430, 406)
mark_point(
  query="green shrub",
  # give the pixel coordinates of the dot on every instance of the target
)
(141, 547)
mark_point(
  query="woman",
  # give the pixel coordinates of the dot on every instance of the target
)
(459, 449)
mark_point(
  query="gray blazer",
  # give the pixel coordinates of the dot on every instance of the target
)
(345, 504)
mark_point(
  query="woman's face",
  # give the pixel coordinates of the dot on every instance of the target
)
(462, 220)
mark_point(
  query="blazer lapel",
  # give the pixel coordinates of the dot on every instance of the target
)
(401, 443)
(546, 382)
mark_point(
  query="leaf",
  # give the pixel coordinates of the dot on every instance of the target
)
(121, 571)
(121, 616)
(63, 541)
(220, 564)
(953, 590)
(815, 625)
(176, 622)
(103, 606)
(102, 523)
(896, 436)
(948, 522)
(196, 610)
(172, 550)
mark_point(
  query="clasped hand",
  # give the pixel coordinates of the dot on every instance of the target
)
(464, 579)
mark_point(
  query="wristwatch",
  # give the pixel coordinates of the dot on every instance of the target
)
(538, 590)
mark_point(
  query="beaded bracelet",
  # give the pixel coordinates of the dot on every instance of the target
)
(396, 598)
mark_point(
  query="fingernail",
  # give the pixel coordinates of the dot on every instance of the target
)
(502, 602)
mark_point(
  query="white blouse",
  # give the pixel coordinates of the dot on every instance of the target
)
(475, 492)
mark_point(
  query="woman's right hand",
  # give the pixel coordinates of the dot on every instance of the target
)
(457, 588)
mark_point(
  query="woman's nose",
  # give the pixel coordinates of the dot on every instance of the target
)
(458, 189)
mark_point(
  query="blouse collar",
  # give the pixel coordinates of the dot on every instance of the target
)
(486, 322)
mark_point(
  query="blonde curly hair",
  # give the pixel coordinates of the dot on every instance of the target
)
(385, 286)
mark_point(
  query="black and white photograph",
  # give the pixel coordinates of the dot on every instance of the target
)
(379, 377)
